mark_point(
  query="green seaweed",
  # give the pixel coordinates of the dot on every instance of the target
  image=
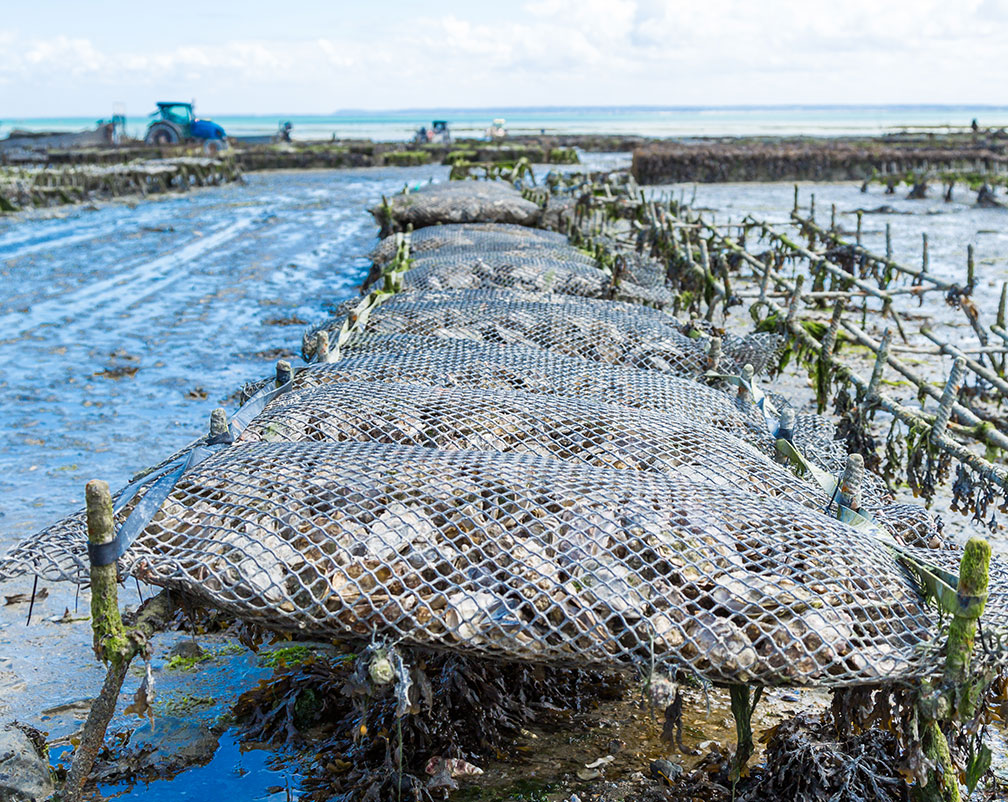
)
(286, 656)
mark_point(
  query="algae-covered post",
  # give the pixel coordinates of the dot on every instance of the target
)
(110, 641)
(114, 644)
(959, 695)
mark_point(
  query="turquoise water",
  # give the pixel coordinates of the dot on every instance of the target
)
(661, 122)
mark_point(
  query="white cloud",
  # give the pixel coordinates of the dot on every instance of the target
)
(555, 52)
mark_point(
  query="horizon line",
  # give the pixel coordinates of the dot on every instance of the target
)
(561, 108)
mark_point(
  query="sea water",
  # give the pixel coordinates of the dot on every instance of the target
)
(687, 121)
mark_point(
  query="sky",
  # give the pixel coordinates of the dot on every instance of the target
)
(63, 58)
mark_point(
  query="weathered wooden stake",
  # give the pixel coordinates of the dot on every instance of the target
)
(857, 234)
(713, 353)
(110, 640)
(795, 298)
(742, 707)
(830, 337)
(850, 483)
(322, 347)
(970, 270)
(765, 278)
(974, 573)
(888, 242)
(949, 397)
(218, 423)
(880, 362)
(284, 373)
(925, 260)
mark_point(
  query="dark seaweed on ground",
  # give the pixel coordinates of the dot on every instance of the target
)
(460, 707)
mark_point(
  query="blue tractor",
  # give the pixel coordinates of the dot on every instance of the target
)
(175, 123)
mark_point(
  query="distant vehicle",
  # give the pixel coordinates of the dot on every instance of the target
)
(176, 123)
(497, 129)
(437, 132)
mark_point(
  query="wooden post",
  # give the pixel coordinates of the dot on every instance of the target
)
(974, 573)
(109, 634)
(795, 298)
(742, 707)
(880, 362)
(888, 242)
(110, 641)
(850, 483)
(218, 423)
(857, 234)
(765, 278)
(924, 253)
(948, 398)
(322, 347)
(284, 374)
(830, 337)
(713, 353)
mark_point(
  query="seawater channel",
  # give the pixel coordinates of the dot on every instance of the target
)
(122, 325)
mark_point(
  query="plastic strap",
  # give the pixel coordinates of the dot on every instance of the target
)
(760, 400)
(167, 477)
(935, 582)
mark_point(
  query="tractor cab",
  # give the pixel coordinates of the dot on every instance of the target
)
(440, 130)
(179, 113)
(175, 122)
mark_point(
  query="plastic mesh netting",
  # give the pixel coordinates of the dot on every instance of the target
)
(527, 270)
(457, 202)
(535, 558)
(594, 432)
(602, 331)
(480, 237)
(543, 475)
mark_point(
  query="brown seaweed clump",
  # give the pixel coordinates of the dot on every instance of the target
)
(806, 762)
(456, 709)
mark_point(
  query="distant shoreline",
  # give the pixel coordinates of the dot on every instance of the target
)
(653, 122)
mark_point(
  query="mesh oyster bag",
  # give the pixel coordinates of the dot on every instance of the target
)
(601, 331)
(530, 271)
(447, 362)
(591, 432)
(537, 559)
(457, 202)
(483, 237)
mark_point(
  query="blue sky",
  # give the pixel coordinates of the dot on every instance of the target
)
(78, 58)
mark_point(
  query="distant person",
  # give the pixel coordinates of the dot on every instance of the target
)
(975, 126)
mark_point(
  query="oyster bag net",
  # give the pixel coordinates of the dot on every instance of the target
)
(510, 458)
(533, 558)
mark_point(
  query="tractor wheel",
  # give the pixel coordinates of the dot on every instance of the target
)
(213, 147)
(163, 133)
